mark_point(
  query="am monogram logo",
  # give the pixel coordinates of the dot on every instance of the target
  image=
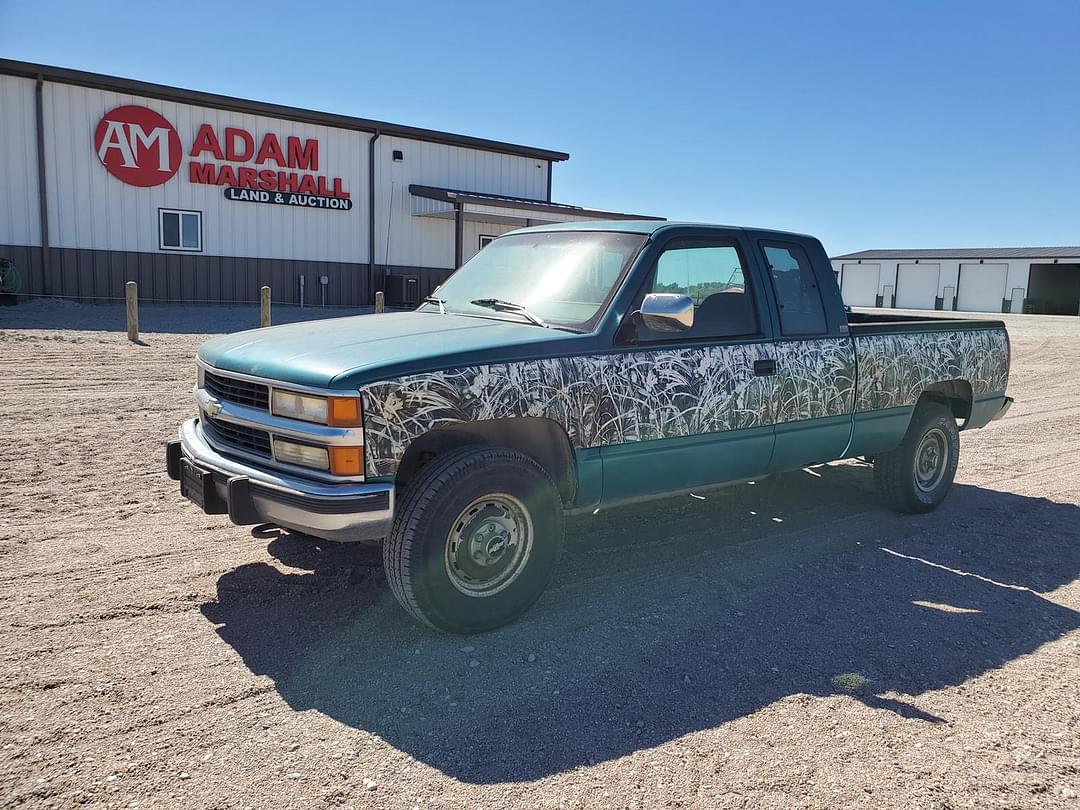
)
(138, 146)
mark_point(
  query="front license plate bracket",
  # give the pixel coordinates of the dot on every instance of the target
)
(197, 485)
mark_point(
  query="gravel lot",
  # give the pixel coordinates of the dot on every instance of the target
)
(786, 643)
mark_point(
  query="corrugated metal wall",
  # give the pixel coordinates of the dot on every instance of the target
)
(429, 241)
(104, 232)
(89, 274)
(92, 275)
(20, 218)
(471, 232)
(89, 208)
(27, 259)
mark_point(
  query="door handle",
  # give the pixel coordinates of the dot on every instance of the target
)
(763, 368)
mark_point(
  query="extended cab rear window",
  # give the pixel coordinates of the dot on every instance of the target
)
(796, 288)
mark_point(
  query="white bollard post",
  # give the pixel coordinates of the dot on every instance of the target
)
(380, 301)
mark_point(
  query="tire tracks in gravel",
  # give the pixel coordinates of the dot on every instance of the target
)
(103, 650)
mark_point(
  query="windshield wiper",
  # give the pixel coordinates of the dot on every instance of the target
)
(431, 299)
(499, 305)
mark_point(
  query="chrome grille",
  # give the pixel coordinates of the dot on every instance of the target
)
(242, 392)
(239, 436)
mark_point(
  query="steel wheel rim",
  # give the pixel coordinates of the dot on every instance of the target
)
(488, 545)
(931, 459)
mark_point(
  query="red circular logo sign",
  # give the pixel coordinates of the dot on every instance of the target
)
(138, 146)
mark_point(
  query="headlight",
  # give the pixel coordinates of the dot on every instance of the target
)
(299, 406)
(334, 411)
(303, 454)
(338, 460)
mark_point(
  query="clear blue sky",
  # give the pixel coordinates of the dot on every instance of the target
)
(869, 124)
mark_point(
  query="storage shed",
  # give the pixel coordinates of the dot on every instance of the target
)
(1044, 280)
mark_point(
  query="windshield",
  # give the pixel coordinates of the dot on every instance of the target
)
(563, 278)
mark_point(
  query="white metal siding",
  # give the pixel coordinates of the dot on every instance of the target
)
(89, 208)
(982, 287)
(916, 285)
(473, 230)
(404, 239)
(859, 284)
(20, 219)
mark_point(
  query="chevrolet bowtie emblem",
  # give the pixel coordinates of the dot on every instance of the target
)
(210, 405)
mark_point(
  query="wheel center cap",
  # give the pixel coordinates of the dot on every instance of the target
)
(488, 543)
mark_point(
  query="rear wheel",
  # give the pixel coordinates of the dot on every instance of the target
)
(917, 475)
(475, 539)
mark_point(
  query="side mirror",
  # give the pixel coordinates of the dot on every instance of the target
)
(667, 312)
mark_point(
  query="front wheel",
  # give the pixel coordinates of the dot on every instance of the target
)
(475, 539)
(917, 475)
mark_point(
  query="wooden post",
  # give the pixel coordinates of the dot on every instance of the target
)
(264, 306)
(131, 290)
(380, 301)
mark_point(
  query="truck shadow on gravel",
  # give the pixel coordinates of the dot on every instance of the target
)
(666, 619)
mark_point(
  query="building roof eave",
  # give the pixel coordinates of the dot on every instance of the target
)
(198, 98)
(449, 195)
(965, 253)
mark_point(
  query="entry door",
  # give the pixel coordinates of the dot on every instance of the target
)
(691, 408)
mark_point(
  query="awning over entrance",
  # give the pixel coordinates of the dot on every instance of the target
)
(471, 206)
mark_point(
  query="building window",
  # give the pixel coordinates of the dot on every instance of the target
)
(180, 230)
(485, 240)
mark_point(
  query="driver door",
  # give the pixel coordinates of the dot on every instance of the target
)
(692, 408)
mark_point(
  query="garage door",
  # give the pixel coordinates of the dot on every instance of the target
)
(916, 286)
(982, 286)
(859, 284)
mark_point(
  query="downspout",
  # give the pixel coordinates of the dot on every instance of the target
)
(371, 211)
(43, 199)
(459, 234)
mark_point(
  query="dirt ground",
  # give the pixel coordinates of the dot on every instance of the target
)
(782, 643)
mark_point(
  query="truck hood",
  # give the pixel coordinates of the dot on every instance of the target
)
(347, 352)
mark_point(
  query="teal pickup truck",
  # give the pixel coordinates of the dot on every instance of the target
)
(567, 368)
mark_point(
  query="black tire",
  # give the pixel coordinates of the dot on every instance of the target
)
(906, 477)
(427, 555)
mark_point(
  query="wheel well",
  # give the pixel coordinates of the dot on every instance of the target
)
(953, 394)
(543, 440)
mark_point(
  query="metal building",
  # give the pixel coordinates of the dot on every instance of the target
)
(203, 197)
(1042, 280)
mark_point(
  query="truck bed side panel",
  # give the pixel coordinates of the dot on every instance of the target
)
(896, 367)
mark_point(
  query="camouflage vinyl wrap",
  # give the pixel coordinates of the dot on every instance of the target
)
(641, 395)
(617, 398)
(894, 370)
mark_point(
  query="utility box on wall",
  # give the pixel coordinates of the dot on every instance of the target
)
(402, 291)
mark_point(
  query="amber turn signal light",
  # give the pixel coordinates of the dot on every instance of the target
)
(343, 412)
(347, 460)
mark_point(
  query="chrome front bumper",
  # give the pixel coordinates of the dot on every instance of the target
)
(250, 494)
